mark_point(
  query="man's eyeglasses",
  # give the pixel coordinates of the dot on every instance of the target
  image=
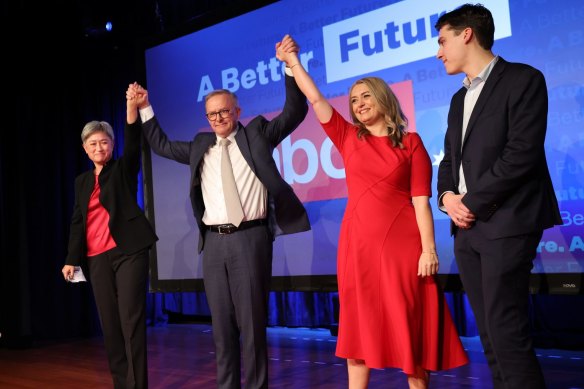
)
(224, 113)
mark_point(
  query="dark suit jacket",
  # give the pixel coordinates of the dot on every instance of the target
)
(256, 141)
(508, 183)
(118, 182)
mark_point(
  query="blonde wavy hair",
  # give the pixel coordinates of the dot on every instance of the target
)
(395, 119)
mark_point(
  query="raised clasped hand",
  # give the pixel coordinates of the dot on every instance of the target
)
(286, 49)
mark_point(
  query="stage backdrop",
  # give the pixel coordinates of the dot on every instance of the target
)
(341, 41)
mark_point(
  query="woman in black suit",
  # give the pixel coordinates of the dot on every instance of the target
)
(110, 233)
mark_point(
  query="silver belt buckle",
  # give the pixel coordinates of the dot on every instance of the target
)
(222, 230)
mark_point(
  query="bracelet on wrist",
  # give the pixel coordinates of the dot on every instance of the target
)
(293, 66)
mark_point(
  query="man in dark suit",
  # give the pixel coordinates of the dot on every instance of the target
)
(495, 185)
(237, 258)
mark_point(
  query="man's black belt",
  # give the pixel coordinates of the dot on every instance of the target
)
(230, 228)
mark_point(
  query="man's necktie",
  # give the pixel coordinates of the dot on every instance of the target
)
(232, 201)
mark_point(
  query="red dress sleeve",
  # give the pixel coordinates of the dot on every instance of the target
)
(337, 129)
(421, 166)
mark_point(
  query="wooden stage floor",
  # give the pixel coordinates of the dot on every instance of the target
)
(181, 356)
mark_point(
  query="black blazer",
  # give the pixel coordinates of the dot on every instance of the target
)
(118, 182)
(508, 183)
(256, 141)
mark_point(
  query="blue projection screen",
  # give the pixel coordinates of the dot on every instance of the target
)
(341, 41)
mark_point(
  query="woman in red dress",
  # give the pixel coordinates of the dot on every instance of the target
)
(392, 312)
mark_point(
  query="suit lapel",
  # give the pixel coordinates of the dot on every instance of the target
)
(457, 113)
(207, 142)
(485, 95)
(86, 190)
(244, 147)
(458, 123)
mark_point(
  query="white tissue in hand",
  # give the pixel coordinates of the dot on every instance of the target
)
(78, 275)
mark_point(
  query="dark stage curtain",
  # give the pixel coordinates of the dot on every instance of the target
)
(58, 78)
(556, 320)
(289, 309)
(55, 82)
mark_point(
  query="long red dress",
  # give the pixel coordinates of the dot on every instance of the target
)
(389, 316)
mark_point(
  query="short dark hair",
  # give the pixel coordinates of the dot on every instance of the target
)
(475, 16)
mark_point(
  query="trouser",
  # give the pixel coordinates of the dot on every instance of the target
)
(119, 285)
(495, 275)
(237, 269)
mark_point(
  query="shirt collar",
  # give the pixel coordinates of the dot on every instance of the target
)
(482, 76)
(231, 136)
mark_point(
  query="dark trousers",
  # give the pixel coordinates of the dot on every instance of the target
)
(119, 284)
(495, 275)
(237, 269)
